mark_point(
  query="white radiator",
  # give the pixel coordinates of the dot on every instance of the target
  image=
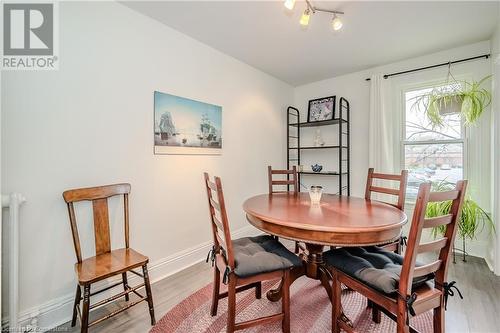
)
(13, 201)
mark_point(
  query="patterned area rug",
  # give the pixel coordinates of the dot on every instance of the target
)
(310, 312)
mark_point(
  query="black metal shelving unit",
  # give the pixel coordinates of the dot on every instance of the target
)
(342, 149)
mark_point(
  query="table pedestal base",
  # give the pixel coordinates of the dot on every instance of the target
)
(274, 295)
(313, 267)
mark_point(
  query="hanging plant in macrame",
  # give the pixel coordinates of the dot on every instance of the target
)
(470, 99)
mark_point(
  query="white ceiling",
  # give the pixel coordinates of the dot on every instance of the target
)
(267, 36)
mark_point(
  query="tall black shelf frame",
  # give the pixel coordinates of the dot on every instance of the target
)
(293, 128)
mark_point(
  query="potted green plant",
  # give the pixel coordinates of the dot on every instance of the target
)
(470, 99)
(472, 219)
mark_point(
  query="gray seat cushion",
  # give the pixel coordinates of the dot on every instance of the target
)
(261, 254)
(374, 266)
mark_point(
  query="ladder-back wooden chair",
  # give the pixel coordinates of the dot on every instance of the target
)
(414, 293)
(106, 262)
(292, 182)
(400, 193)
(245, 263)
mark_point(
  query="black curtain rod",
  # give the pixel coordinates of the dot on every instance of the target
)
(486, 56)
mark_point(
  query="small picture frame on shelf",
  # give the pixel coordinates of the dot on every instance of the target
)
(321, 109)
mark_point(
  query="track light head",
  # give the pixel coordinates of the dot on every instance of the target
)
(289, 4)
(336, 23)
(304, 20)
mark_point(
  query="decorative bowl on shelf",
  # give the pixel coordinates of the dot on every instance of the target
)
(316, 167)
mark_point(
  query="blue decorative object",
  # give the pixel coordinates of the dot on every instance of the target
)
(316, 167)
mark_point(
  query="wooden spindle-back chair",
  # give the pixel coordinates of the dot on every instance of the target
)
(106, 262)
(409, 299)
(224, 262)
(400, 193)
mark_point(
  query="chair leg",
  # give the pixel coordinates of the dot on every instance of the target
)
(85, 310)
(215, 293)
(77, 304)
(285, 302)
(376, 314)
(258, 290)
(402, 318)
(125, 284)
(297, 249)
(231, 304)
(149, 294)
(439, 319)
(336, 304)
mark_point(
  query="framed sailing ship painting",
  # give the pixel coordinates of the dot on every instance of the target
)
(185, 126)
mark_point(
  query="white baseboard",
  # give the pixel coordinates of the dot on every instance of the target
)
(490, 265)
(58, 311)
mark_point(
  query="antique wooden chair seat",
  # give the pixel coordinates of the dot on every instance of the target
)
(105, 265)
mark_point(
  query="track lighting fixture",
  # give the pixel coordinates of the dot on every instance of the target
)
(310, 9)
(304, 19)
(289, 4)
(336, 23)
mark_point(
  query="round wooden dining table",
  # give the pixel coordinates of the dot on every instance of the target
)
(337, 221)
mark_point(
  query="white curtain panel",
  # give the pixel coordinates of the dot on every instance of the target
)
(382, 140)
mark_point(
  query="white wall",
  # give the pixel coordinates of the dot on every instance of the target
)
(354, 87)
(90, 123)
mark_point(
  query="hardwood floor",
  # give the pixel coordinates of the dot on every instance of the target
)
(477, 312)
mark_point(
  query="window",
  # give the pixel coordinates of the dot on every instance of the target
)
(434, 154)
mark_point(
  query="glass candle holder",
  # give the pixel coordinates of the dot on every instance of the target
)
(315, 194)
